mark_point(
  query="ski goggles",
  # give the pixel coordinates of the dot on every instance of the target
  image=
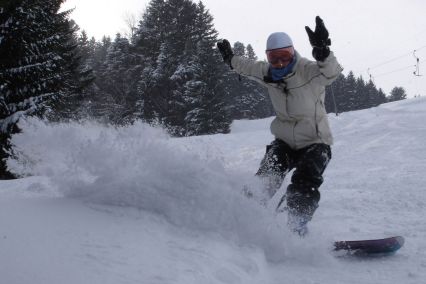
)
(280, 57)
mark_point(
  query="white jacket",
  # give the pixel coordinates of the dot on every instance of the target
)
(301, 118)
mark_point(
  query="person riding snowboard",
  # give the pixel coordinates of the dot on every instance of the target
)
(296, 87)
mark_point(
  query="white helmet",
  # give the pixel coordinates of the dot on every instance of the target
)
(278, 40)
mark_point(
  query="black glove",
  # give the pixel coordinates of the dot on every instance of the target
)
(225, 49)
(319, 40)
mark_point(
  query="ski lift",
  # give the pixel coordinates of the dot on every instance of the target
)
(417, 71)
(370, 75)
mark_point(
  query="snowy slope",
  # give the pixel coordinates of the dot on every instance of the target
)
(131, 205)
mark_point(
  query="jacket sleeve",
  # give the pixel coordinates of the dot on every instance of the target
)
(253, 69)
(323, 72)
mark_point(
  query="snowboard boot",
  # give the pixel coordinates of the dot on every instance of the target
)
(302, 202)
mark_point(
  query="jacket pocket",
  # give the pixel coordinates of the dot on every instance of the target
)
(304, 132)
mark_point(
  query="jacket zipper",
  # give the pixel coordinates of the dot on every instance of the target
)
(286, 101)
(294, 133)
(295, 122)
(316, 121)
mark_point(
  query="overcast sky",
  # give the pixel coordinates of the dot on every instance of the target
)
(369, 37)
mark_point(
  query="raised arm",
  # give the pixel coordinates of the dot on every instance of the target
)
(243, 66)
(326, 68)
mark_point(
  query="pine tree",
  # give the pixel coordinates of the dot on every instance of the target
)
(38, 63)
(359, 94)
(117, 82)
(151, 30)
(381, 97)
(396, 94)
(80, 75)
(351, 95)
(239, 49)
(85, 49)
(100, 53)
(92, 103)
(180, 84)
(155, 42)
(372, 96)
(250, 54)
(204, 94)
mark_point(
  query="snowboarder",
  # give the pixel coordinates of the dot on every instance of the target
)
(302, 133)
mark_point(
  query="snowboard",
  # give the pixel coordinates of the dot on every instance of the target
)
(374, 247)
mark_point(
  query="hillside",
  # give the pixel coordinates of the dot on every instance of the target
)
(132, 205)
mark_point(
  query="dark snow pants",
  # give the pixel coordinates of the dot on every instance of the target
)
(309, 163)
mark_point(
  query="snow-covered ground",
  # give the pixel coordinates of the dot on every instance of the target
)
(131, 205)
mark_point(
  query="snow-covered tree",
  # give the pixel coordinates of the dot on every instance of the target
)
(153, 40)
(38, 62)
(180, 82)
(117, 80)
(208, 112)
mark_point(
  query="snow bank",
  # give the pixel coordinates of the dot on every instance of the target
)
(141, 166)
